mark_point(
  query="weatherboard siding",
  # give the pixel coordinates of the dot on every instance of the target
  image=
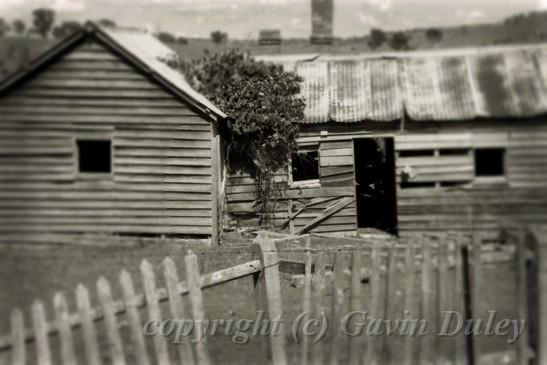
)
(161, 180)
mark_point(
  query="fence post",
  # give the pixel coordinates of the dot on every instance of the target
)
(410, 273)
(374, 303)
(86, 318)
(43, 353)
(114, 340)
(522, 299)
(475, 275)
(306, 301)
(356, 304)
(65, 330)
(193, 280)
(541, 257)
(270, 262)
(17, 338)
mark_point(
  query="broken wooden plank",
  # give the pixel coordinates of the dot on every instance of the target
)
(326, 214)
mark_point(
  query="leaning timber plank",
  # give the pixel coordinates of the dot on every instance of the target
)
(43, 353)
(118, 307)
(133, 316)
(63, 321)
(196, 299)
(88, 328)
(326, 214)
(312, 203)
(154, 309)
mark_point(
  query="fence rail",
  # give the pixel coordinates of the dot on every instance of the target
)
(417, 277)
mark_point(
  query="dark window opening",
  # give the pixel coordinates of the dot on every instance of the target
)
(305, 166)
(454, 152)
(376, 184)
(94, 156)
(416, 185)
(489, 162)
(416, 153)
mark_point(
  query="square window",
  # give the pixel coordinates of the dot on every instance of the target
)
(305, 166)
(490, 162)
(94, 156)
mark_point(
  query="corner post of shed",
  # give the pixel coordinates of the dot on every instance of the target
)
(540, 250)
(217, 188)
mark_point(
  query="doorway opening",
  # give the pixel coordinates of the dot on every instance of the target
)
(375, 183)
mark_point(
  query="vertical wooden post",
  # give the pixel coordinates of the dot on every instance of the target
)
(193, 280)
(428, 340)
(18, 355)
(65, 331)
(43, 353)
(154, 310)
(113, 335)
(460, 346)
(340, 266)
(318, 286)
(216, 188)
(270, 262)
(410, 273)
(133, 316)
(88, 328)
(522, 298)
(389, 354)
(356, 303)
(374, 303)
(306, 301)
(540, 241)
(443, 301)
(178, 311)
(475, 275)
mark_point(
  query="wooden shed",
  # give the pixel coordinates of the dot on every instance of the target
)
(422, 141)
(100, 136)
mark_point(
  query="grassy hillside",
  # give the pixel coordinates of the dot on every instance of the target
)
(15, 52)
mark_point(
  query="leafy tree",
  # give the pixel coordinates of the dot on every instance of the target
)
(434, 35)
(263, 105)
(377, 38)
(66, 28)
(219, 36)
(43, 20)
(182, 40)
(399, 41)
(19, 26)
(107, 23)
(166, 37)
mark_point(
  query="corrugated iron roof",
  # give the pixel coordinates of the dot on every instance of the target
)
(494, 82)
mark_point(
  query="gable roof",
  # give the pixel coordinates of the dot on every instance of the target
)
(140, 49)
(450, 85)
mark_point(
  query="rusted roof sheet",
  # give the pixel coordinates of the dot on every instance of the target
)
(497, 82)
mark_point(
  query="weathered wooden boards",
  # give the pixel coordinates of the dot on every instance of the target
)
(162, 155)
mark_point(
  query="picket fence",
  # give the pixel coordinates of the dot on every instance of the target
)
(422, 276)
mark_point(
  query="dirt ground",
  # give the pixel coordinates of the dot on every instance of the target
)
(38, 271)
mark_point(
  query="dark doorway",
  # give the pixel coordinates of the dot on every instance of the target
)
(375, 184)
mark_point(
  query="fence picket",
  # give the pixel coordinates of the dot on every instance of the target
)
(88, 328)
(428, 341)
(389, 354)
(193, 279)
(443, 301)
(306, 301)
(43, 353)
(154, 310)
(273, 295)
(356, 303)
(374, 303)
(318, 286)
(522, 302)
(340, 266)
(65, 331)
(460, 346)
(114, 340)
(475, 293)
(18, 355)
(178, 311)
(133, 316)
(410, 273)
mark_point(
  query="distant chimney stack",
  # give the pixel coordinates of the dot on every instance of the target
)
(322, 19)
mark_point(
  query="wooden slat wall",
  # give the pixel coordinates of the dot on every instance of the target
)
(161, 180)
(336, 164)
(481, 206)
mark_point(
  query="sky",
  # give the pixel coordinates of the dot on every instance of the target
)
(244, 18)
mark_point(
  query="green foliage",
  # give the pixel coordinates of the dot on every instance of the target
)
(400, 41)
(43, 20)
(263, 105)
(377, 38)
